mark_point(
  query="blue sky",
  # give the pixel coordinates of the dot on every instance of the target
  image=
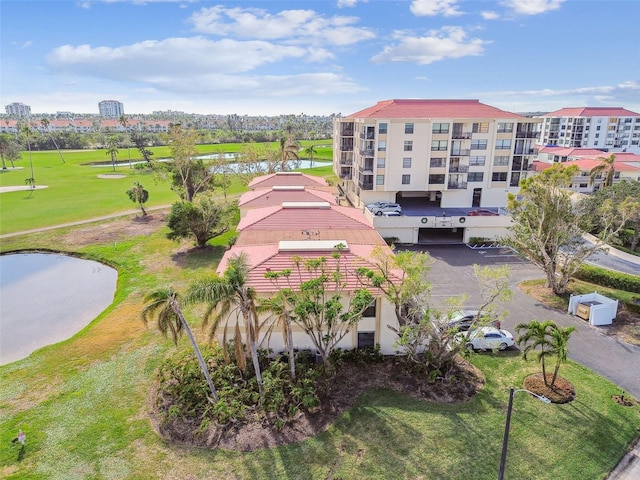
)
(317, 57)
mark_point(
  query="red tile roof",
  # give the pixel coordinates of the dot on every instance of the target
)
(592, 112)
(315, 217)
(287, 178)
(265, 197)
(352, 258)
(407, 108)
(571, 151)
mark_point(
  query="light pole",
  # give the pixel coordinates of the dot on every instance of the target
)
(505, 439)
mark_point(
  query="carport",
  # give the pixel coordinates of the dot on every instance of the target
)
(440, 235)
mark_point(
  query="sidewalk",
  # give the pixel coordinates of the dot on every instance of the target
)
(629, 466)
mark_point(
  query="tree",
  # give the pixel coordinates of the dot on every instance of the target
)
(323, 306)
(548, 227)
(536, 337)
(139, 195)
(45, 124)
(190, 176)
(112, 149)
(163, 304)
(227, 297)
(310, 151)
(139, 139)
(606, 168)
(201, 220)
(278, 306)
(125, 123)
(560, 347)
(9, 150)
(26, 129)
(288, 150)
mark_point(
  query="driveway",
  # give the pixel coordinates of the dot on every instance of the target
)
(452, 274)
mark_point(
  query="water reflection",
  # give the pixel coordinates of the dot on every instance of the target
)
(47, 298)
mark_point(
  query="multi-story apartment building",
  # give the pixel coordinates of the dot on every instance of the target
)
(610, 129)
(111, 108)
(445, 153)
(17, 109)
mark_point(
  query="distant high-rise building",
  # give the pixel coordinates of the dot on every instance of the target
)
(613, 129)
(18, 109)
(111, 108)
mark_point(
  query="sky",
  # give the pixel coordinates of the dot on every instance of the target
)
(317, 57)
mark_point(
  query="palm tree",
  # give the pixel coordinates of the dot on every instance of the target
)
(536, 335)
(606, 168)
(27, 131)
(277, 306)
(288, 149)
(559, 347)
(112, 149)
(227, 295)
(125, 123)
(163, 304)
(45, 124)
(311, 151)
(138, 194)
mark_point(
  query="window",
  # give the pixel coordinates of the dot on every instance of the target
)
(504, 127)
(439, 145)
(597, 135)
(477, 161)
(382, 128)
(408, 145)
(379, 179)
(435, 179)
(406, 162)
(478, 144)
(598, 127)
(501, 161)
(370, 311)
(515, 179)
(382, 146)
(499, 177)
(380, 163)
(366, 339)
(481, 127)
(475, 176)
(503, 144)
(408, 128)
(437, 162)
(584, 185)
(406, 179)
(440, 128)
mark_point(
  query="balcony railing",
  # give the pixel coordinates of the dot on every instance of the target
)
(461, 135)
(346, 176)
(368, 136)
(346, 133)
(346, 162)
(367, 152)
(457, 185)
(365, 185)
(346, 148)
(458, 168)
(527, 134)
(460, 153)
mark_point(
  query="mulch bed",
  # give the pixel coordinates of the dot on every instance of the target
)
(345, 388)
(561, 392)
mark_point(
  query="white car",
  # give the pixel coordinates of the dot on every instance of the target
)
(486, 338)
(379, 208)
(462, 319)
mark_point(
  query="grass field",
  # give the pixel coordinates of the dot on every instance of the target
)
(84, 402)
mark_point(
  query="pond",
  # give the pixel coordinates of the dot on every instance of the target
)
(47, 298)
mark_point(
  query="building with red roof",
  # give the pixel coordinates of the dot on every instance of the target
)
(275, 195)
(610, 129)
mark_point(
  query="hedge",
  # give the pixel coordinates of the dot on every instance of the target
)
(609, 278)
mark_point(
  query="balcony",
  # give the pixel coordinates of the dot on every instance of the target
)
(461, 135)
(346, 176)
(460, 153)
(367, 152)
(368, 136)
(347, 162)
(457, 186)
(365, 185)
(346, 148)
(528, 135)
(346, 133)
(458, 168)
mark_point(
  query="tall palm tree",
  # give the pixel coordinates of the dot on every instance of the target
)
(225, 296)
(125, 123)
(26, 129)
(45, 124)
(138, 195)
(559, 347)
(311, 151)
(112, 149)
(536, 335)
(606, 168)
(163, 304)
(288, 149)
(277, 306)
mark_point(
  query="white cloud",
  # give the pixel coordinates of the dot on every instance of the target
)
(348, 3)
(25, 44)
(295, 26)
(446, 8)
(448, 42)
(490, 15)
(532, 7)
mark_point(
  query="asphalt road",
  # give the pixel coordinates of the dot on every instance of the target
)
(452, 274)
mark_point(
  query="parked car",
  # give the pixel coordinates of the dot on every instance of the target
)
(482, 213)
(392, 214)
(462, 320)
(486, 338)
(380, 207)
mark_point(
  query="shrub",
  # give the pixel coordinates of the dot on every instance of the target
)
(609, 278)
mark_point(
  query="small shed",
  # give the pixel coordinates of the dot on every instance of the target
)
(594, 307)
